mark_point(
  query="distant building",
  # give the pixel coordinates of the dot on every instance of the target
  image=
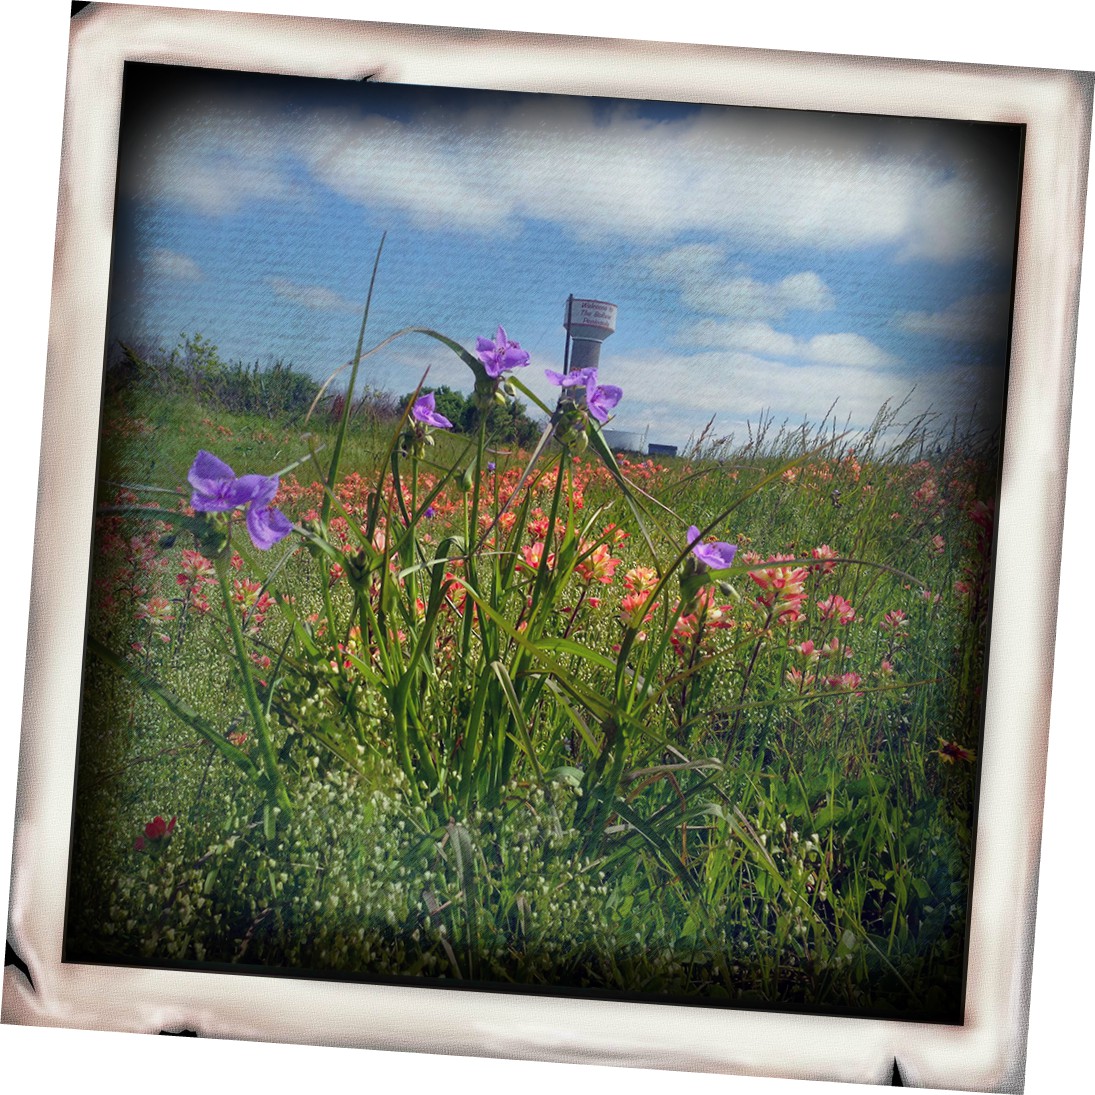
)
(661, 450)
(625, 440)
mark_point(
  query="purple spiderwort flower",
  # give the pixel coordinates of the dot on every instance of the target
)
(499, 354)
(713, 556)
(490, 465)
(600, 398)
(425, 411)
(430, 512)
(580, 378)
(265, 524)
(217, 489)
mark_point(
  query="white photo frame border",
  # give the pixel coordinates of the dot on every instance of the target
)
(987, 1052)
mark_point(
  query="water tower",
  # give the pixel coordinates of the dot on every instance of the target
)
(588, 324)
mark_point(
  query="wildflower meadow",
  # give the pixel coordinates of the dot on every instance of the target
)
(372, 694)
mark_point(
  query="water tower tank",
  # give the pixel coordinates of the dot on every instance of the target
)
(589, 322)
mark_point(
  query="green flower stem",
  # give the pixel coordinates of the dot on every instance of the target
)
(732, 736)
(275, 784)
(542, 573)
(414, 578)
(471, 530)
(476, 490)
(328, 604)
(688, 683)
(371, 635)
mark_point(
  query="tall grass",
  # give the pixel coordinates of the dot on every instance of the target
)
(489, 716)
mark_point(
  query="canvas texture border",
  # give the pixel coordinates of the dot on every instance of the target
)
(987, 1052)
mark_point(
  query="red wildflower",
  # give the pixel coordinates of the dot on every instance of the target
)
(927, 492)
(157, 610)
(156, 831)
(196, 571)
(845, 682)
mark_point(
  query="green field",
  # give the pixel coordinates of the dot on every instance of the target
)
(492, 717)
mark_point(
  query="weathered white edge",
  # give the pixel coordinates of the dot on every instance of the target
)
(987, 1052)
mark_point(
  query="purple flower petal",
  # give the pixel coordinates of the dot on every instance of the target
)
(265, 525)
(424, 411)
(216, 488)
(260, 489)
(207, 467)
(602, 399)
(500, 354)
(580, 378)
(715, 556)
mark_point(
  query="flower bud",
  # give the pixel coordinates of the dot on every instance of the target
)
(214, 538)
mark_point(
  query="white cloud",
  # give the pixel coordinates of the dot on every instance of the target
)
(761, 338)
(689, 260)
(172, 265)
(698, 270)
(755, 337)
(805, 291)
(317, 297)
(747, 298)
(955, 220)
(216, 163)
(846, 349)
(675, 395)
(754, 178)
(970, 319)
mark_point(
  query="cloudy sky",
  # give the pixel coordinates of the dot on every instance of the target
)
(761, 260)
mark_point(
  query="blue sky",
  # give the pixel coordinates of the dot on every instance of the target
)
(761, 260)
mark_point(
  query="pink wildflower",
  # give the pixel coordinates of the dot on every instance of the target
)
(824, 552)
(783, 589)
(639, 579)
(895, 620)
(836, 607)
(599, 565)
(636, 609)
